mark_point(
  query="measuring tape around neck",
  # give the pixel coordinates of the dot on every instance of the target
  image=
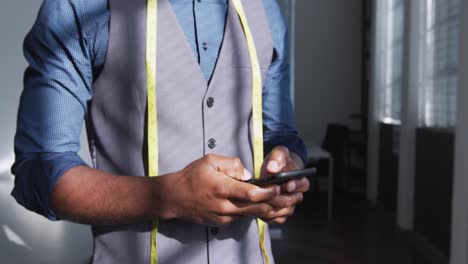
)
(152, 126)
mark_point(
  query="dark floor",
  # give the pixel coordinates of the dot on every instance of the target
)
(357, 234)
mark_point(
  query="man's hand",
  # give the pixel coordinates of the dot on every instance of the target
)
(278, 160)
(208, 191)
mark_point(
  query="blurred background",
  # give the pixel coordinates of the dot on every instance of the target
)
(379, 100)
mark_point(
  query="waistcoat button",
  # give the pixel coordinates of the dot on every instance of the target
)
(212, 143)
(210, 102)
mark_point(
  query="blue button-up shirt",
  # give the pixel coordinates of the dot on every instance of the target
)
(66, 51)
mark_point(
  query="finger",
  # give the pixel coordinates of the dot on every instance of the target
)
(277, 160)
(242, 191)
(291, 165)
(303, 185)
(289, 187)
(285, 212)
(229, 166)
(223, 220)
(286, 200)
(298, 162)
(279, 220)
(263, 211)
(258, 210)
(214, 219)
(300, 185)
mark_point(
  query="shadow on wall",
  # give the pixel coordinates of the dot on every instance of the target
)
(14, 249)
(26, 237)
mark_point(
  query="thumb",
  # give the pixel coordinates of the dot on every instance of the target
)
(231, 167)
(273, 166)
(247, 175)
(275, 161)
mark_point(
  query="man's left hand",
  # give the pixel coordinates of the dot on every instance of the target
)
(280, 159)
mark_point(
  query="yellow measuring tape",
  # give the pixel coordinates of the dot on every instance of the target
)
(151, 49)
(257, 117)
(152, 126)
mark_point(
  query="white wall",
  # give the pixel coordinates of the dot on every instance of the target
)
(15, 19)
(459, 238)
(328, 65)
(24, 236)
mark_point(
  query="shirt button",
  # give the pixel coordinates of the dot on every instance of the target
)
(214, 231)
(210, 102)
(212, 143)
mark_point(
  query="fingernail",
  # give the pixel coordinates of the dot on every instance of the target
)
(247, 175)
(273, 166)
(278, 190)
(291, 187)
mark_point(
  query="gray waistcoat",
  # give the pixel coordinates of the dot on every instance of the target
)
(116, 127)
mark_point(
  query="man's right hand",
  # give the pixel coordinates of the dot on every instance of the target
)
(208, 191)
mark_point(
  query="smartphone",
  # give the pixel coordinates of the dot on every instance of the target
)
(284, 177)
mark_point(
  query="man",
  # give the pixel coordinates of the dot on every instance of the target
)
(87, 61)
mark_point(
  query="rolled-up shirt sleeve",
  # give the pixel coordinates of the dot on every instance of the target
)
(278, 115)
(36, 175)
(57, 88)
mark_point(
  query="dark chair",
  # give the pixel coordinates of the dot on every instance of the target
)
(337, 143)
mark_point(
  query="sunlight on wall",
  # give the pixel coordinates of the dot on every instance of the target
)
(5, 165)
(14, 238)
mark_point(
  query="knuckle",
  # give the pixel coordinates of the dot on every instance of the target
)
(224, 207)
(306, 184)
(220, 190)
(272, 214)
(237, 163)
(282, 203)
(279, 221)
(276, 203)
(285, 155)
(198, 220)
(225, 220)
(290, 201)
(219, 220)
(261, 210)
(285, 202)
(209, 157)
(291, 211)
(230, 174)
(282, 149)
(251, 195)
(264, 209)
(300, 198)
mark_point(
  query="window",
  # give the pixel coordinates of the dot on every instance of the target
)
(437, 93)
(392, 54)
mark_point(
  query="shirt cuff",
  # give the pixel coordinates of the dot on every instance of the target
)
(293, 142)
(35, 176)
